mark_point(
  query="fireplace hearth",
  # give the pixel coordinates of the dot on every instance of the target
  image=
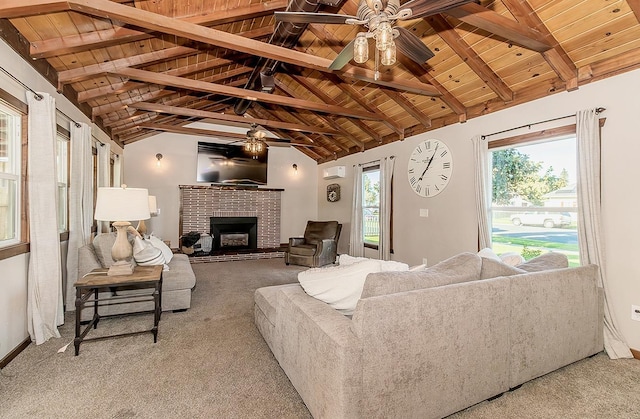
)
(234, 233)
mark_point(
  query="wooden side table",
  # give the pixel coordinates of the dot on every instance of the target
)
(90, 285)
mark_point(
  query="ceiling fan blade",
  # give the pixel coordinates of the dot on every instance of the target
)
(423, 8)
(411, 46)
(343, 58)
(308, 17)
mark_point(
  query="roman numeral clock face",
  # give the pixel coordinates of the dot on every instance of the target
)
(429, 168)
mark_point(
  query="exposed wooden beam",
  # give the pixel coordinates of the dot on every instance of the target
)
(556, 57)
(449, 35)
(108, 37)
(635, 7)
(492, 22)
(197, 85)
(320, 94)
(154, 107)
(81, 73)
(156, 22)
(119, 88)
(409, 107)
(289, 92)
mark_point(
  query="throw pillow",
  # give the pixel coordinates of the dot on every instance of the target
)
(460, 268)
(488, 253)
(492, 268)
(339, 286)
(159, 244)
(544, 262)
(511, 258)
(145, 254)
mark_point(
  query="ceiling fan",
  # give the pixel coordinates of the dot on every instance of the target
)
(379, 17)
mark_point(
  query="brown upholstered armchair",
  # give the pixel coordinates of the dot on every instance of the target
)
(318, 247)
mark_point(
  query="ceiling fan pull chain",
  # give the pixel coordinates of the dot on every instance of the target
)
(376, 74)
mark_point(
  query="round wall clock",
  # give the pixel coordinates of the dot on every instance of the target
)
(333, 192)
(429, 168)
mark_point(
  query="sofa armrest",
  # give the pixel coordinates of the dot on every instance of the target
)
(319, 353)
(295, 241)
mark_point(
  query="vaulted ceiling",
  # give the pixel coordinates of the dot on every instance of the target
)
(140, 67)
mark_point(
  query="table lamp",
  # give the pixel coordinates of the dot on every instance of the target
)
(117, 205)
(153, 210)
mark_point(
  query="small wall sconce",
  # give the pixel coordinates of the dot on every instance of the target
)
(295, 169)
(159, 157)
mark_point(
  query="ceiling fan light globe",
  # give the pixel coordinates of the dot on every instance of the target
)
(389, 55)
(360, 50)
(384, 36)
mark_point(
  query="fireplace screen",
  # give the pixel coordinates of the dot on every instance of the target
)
(234, 233)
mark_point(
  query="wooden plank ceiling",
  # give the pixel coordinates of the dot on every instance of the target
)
(139, 67)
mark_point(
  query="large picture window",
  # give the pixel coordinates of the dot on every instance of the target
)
(10, 169)
(534, 197)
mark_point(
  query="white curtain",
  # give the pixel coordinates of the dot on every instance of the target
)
(483, 190)
(104, 177)
(589, 221)
(80, 203)
(386, 176)
(44, 305)
(356, 244)
(117, 170)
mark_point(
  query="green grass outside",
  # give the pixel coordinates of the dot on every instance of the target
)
(504, 244)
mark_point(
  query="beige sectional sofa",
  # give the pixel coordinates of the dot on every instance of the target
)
(177, 282)
(427, 344)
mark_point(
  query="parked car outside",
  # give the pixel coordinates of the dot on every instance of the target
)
(545, 219)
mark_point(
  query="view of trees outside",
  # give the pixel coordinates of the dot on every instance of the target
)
(534, 202)
(371, 206)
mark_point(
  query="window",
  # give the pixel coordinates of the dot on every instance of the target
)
(371, 206)
(62, 168)
(534, 197)
(10, 170)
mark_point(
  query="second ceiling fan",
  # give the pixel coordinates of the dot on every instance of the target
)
(379, 17)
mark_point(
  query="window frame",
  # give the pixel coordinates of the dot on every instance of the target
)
(552, 134)
(64, 135)
(21, 244)
(372, 168)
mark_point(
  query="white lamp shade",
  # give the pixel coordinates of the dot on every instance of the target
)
(122, 204)
(153, 204)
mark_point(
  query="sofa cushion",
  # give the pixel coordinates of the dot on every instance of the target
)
(102, 245)
(341, 286)
(546, 261)
(492, 268)
(180, 275)
(460, 268)
(303, 249)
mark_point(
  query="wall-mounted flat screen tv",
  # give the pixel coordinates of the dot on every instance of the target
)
(230, 164)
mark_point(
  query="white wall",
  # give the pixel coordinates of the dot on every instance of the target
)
(178, 167)
(13, 280)
(451, 226)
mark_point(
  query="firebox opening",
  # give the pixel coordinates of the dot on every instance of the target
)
(234, 233)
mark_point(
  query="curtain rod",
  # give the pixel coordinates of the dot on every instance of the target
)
(372, 161)
(40, 97)
(37, 95)
(598, 110)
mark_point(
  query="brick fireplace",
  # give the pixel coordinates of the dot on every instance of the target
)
(200, 205)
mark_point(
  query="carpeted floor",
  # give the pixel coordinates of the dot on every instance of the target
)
(211, 362)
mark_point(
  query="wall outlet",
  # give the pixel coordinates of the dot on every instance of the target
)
(158, 212)
(424, 261)
(635, 313)
(424, 212)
